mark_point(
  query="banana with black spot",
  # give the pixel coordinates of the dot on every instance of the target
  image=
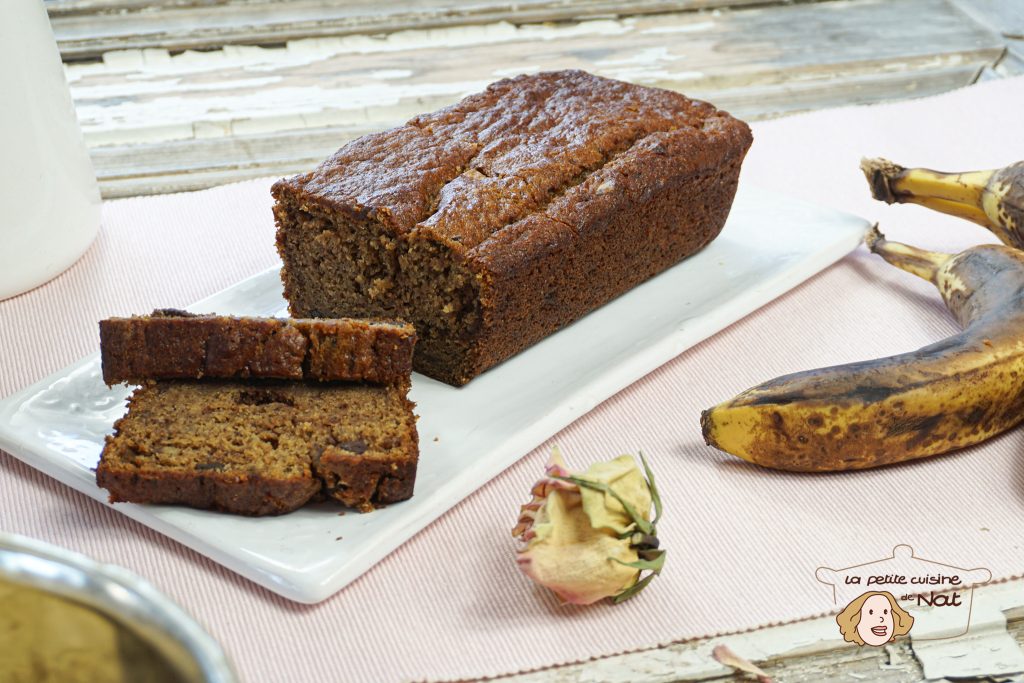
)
(945, 396)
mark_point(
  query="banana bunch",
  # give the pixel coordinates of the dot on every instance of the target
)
(994, 199)
(945, 396)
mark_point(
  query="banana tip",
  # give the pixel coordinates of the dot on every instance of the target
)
(706, 427)
(874, 239)
(879, 174)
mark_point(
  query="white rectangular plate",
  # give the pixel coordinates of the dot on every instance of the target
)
(769, 245)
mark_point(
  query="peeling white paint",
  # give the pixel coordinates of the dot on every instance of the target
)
(743, 61)
(259, 110)
(391, 74)
(210, 129)
(987, 649)
(140, 87)
(930, 63)
(515, 71)
(647, 56)
(309, 50)
(649, 74)
(681, 28)
(133, 95)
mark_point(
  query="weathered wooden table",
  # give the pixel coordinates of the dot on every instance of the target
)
(185, 94)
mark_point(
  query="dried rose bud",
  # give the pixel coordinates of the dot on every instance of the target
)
(589, 536)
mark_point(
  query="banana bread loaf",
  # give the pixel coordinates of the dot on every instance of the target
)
(175, 344)
(496, 221)
(262, 447)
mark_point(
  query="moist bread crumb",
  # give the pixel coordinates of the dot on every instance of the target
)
(494, 222)
(262, 447)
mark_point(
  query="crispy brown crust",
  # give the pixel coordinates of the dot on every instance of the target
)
(174, 344)
(640, 215)
(241, 495)
(556, 192)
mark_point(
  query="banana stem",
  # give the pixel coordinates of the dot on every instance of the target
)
(894, 183)
(880, 173)
(957, 194)
(922, 263)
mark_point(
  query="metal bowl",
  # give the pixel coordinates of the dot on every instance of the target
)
(187, 652)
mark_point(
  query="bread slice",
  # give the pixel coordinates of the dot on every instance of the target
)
(262, 447)
(172, 344)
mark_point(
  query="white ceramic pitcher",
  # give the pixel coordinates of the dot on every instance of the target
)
(49, 199)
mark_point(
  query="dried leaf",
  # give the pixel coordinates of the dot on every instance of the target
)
(726, 656)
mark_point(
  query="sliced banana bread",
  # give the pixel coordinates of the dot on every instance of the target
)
(496, 221)
(260, 448)
(172, 344)
(228, 438)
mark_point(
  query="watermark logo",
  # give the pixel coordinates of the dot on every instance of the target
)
(874, 618)
(885, 598)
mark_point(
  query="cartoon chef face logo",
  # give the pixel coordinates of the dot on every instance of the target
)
(874, 618)
(939, 594)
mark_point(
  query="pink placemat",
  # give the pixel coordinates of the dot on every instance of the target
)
(743, 543)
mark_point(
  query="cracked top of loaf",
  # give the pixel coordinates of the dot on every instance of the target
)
(527, 148)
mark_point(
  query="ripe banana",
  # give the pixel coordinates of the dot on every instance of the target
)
(945, 396)
(994, 199)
